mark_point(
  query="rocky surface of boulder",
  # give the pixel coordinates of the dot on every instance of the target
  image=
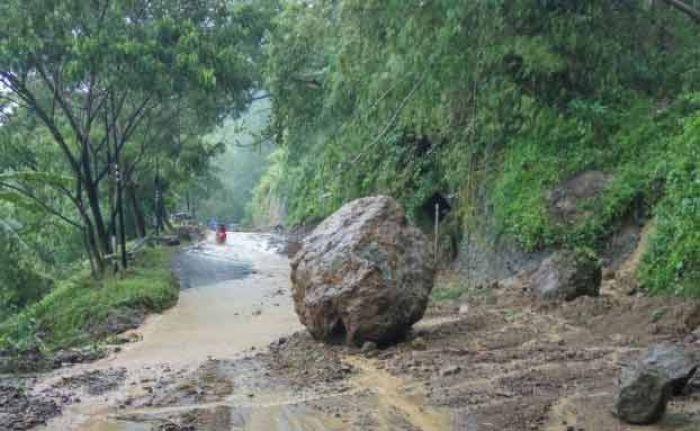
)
(567, 274)
(674, 361)
(363, 274)
(646, 387)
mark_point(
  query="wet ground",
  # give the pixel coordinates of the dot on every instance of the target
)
(231, 356)
(235, 301)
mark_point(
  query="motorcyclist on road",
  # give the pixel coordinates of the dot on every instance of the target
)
(221, 234)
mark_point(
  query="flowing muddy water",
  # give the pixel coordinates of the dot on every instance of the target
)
(235, 298)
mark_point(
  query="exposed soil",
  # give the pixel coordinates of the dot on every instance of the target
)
(498, 361)
(20, 410)
(494, 359)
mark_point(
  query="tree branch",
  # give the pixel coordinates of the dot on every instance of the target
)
(684, 7)
(61, 102)
(20, 89)
(40, 202)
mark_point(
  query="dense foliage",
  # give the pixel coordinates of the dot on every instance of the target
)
(119, 90)
(104, 108)
(494, 104)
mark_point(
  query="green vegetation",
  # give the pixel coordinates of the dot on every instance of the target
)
(113, 100)
(115, 114)
(82, 310)
(106, 111)
(496, 104)
(454, 287)
(673, 260)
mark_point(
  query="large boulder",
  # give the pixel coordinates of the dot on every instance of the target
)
(363, 274)
(567, 274)
(646, 387)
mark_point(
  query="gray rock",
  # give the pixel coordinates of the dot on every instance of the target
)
(567, 274)
(363, 274)
(450, 370)
(678, 364)
(646, 387)
(565, 200)
(643, 396)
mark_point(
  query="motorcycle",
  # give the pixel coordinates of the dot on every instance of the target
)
(221, 234)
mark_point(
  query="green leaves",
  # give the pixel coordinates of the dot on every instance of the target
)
(49, 178)
(515, 97)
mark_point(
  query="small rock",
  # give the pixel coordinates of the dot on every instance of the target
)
(450, 370)
(419, 343)
(369, 346)
(463, 309)
(673, 360)
(643, 397)
(567, 274)
(608, 274)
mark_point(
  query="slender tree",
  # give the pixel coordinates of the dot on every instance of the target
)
(93, 74)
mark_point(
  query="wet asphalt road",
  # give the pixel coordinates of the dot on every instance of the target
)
(199, 267)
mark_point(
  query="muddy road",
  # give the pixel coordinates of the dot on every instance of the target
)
(232, 356)
(235, 301)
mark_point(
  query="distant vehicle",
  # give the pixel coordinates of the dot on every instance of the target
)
(221, 234)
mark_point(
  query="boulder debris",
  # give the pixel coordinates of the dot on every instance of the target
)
(646, 387)
(363, 274)
(567, 274)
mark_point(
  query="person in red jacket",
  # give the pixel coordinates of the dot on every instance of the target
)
(221, 234)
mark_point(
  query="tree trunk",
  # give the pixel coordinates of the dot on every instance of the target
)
(92, 247)
(120, 211)
(136, 212)
(100, 229)
(92, 192)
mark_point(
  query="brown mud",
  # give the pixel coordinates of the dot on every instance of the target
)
(494, 359)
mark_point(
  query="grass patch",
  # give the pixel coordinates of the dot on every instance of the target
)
(448, 294)
(672, 262)
(82, 310)
(452, 287)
